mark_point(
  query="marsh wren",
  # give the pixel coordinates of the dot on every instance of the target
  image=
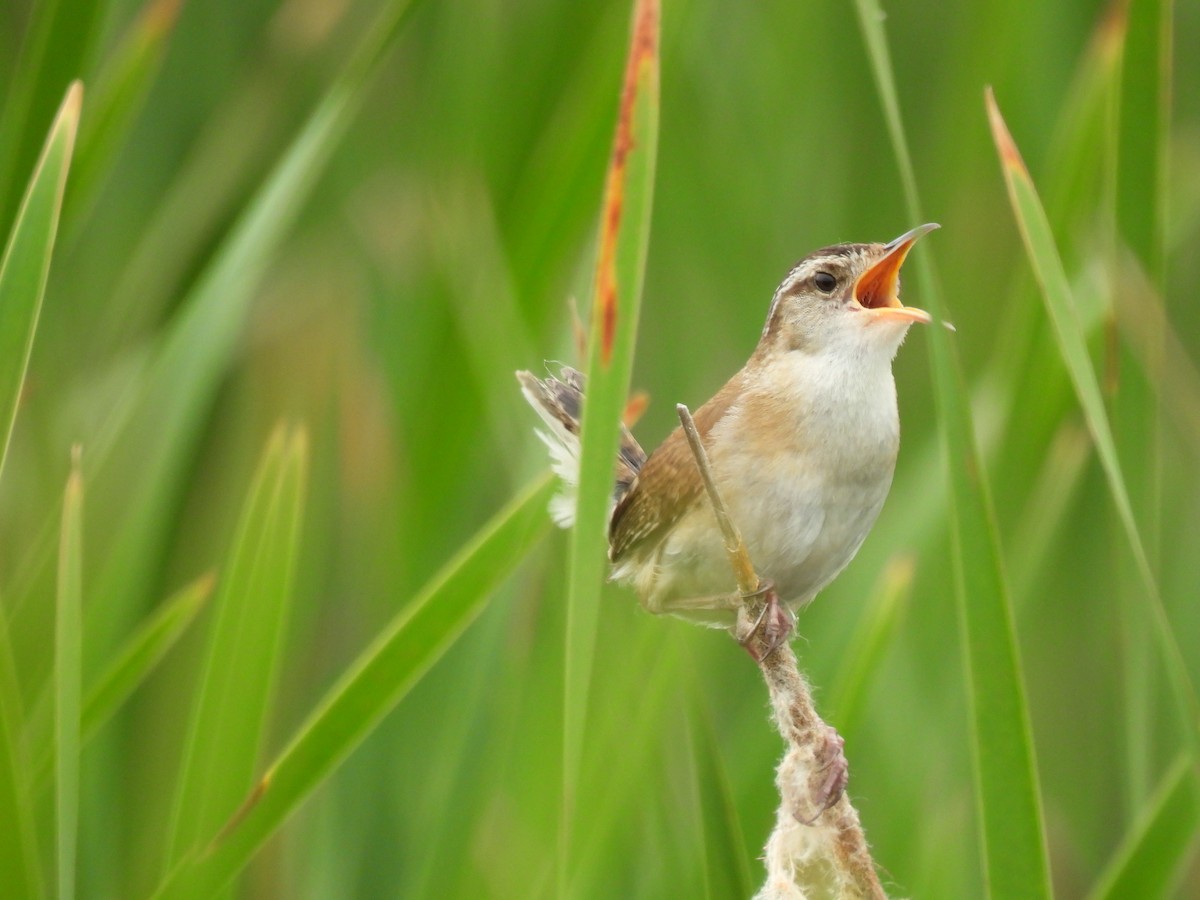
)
(802, 443)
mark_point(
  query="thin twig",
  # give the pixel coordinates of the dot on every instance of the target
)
(816, 846)
(739, 557)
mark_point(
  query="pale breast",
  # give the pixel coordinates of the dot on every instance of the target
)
(805, 462)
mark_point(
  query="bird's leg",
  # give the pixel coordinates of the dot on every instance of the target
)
(772, 625)
(759, 621)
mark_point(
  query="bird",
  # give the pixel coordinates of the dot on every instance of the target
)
(802, 441)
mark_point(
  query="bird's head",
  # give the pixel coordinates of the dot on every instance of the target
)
(844, 298)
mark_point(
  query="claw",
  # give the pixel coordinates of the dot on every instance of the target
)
(772, 627)
(834, 771)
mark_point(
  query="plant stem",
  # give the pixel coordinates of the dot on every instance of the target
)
(816, 845)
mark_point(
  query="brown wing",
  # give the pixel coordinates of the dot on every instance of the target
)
(667, 484)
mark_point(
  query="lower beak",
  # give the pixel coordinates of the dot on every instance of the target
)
(877, 289)
(902, 314)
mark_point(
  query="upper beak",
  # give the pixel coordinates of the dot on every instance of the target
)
(877, 288)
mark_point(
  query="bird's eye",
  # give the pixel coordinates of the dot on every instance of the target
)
(825, 282)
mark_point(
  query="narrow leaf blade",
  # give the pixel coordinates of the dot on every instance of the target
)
(624, 235)
(68, 642)
(1007, 793)
(1159, 842)
(142, 653)
(1008, 797)
(130, 667)
(238, 678)
(19, 871)
(872, 638)
(1060, 307)
(724, 843)
(120, 89)
(52, 53)
(26, 263)
(416, 639)
(23, 274)
(161, 423)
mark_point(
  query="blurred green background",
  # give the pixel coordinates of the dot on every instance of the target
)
(437, 250)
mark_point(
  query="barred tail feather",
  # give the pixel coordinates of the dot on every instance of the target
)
(564, 460)
(559, 404)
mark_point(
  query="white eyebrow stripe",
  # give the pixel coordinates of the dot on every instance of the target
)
(771, 310)
(785, 286)
(838, 257)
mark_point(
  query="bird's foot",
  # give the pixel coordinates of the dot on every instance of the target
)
(771, 628)
(830, 774)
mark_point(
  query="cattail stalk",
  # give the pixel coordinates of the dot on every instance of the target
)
(817, 848)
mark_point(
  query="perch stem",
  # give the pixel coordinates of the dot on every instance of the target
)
(818, 844)
(739, 557)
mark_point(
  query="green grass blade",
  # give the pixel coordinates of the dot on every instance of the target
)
(27, 259)
(56, 41)
(1142, 138)
(486, 306)
(1159, 348)
(19, 872)
(1143, 132)
(416, 638)
(866, 648)
(1138, 141)
(624, 234)
(68, 642)
(629, 743)
(1072, 344)
(1160, 841)
(1025, 367)
(1007, 793)
(1080, 151)
(131, 666)
(237, 684)
(1057, 486)
(142, 653)
(164, 420)
(120, 89)
(724, 843)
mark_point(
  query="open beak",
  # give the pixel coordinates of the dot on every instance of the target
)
(878, 289)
